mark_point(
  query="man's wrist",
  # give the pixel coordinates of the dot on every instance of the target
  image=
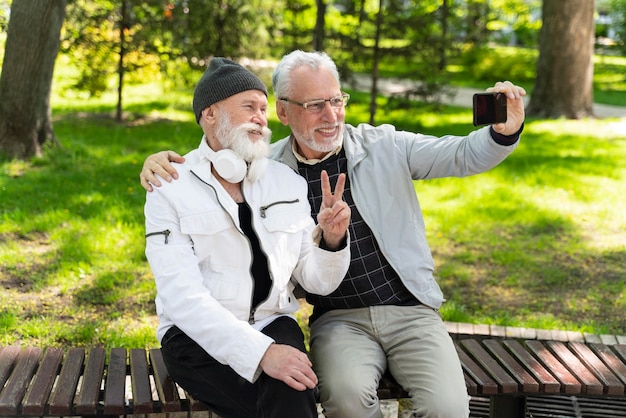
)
(506, 140)
(340, 246)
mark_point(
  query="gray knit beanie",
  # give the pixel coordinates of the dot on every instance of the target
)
(223, 78)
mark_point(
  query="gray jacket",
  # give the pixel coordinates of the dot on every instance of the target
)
(382, 164)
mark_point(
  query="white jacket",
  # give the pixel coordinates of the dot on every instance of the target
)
(201, 260)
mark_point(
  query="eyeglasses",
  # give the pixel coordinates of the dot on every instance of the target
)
(316, 106)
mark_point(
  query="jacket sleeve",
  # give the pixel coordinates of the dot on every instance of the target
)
(320, 271)
(453, 156)
(185, 301)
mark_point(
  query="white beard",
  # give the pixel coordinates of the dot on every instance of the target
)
(237, 139)
(325, 147)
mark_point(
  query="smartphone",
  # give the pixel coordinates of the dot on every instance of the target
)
(489, 108)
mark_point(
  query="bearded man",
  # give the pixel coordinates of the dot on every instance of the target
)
(227, 244)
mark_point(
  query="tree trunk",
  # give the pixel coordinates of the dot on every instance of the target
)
(320, 26)
(564, 82)
(375, 64)
(33, 40)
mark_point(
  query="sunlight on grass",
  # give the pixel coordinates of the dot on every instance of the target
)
(538, 241)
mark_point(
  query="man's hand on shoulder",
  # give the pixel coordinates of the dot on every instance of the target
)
(159, 164)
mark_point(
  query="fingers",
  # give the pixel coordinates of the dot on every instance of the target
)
(328, 197)
(511, 91)
(159, 164)
(341, 182)
(289, 365)
(515, 107)
(325, 183)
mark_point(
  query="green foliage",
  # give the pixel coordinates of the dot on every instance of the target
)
(618, 16)
(489, 64)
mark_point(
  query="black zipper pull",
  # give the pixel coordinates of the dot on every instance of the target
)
(264, 209)
(167, 233)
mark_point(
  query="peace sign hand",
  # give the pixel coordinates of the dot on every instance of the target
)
(334, 214)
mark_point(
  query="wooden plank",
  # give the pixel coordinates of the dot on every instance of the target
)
(472, 387)
(612, 385)
(547, 382)
(484, 383)
(62, 401)
(115, 386)
(612, 361)
(196, 406)
(36, 398)
(89, 395)
(591, 385)
(17, 384)
(388, 388)
(140, 382)
(569, 384)
(8, 356)
(506, 383)
(166, 388)
(526, 382)
(620, 350)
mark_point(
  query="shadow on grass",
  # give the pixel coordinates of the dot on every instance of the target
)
(506, 250)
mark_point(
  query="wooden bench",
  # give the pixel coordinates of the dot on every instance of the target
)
(95, 382)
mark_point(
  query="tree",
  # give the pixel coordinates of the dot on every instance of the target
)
(564, 82)
(32, 44)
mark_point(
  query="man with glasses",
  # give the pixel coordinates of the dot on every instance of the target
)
(384, 314)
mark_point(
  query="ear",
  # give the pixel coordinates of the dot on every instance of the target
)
(208, 114)
(281, 112)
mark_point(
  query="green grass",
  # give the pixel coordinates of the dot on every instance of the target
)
(538, 241)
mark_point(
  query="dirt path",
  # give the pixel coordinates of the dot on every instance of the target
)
(463, 96)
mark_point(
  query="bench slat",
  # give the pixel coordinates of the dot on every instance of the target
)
(140, 381)
(62, 399)
(620, 350)
(166, 388)
(89, 395)
(8, 355)
(612, 385)
(526, 382)
(569, 384)
(547, 382)
(591, 385)
(609, 358)
(505, 382)
(36, 398)
(115, 387)
(17, 384)
(485, 384)
(472, 387)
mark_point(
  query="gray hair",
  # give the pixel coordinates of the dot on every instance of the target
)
(315, 60)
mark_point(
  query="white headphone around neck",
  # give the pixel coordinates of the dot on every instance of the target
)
(230, 166)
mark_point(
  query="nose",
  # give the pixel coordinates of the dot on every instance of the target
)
(329, 112)
(259, 117)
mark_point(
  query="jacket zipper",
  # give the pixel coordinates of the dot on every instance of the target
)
(167, 233)
(264, 209)
(251, 319)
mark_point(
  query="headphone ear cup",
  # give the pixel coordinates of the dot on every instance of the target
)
(230, 166)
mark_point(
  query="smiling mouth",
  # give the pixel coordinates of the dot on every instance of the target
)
(328, 130)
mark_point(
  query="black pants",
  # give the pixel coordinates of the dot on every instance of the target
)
(227, 393)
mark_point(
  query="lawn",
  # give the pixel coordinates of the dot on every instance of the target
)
(538, 241)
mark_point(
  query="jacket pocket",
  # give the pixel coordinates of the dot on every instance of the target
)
(206, 223)
(286, 216)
